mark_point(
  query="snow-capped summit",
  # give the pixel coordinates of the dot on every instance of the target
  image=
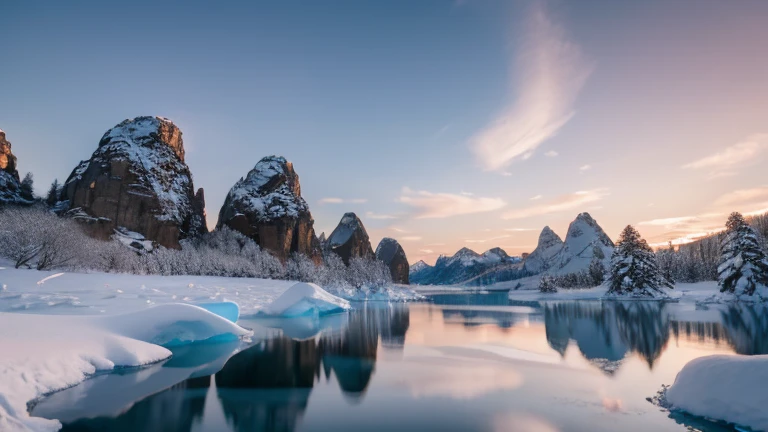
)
(350, 240)
(266, 205)
(418, 266)
(137, 179)
(585, 240)
(541, 258)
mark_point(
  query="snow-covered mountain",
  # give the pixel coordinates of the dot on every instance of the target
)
(546, 250)
(463, 266)
(266, 205)
(137, 179)
(584, 241)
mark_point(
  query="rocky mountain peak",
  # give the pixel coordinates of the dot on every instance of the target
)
(392, 254)
(10, 186)
(350, 239)
(7, 159)
(146, 131)
(137, 180)
(266, 205)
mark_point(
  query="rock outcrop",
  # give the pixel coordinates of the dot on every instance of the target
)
(543, 256)
(137, 180)
(392, 254)
(10, 185)
(267, 206)
(350, 240)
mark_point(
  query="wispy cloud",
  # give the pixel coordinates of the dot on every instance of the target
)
(740, 154)
(551, 153)
(537, 197)
(584, 168)
(372, 215)
(410, 238)
(426, 251)
(743, 196)
(550, 72)
(399, 230)
(564, 202)
(431, 205)
(681, 222)
(488, 239)
(343, 200)
(519, 229)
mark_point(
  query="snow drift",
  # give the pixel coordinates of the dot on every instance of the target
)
(44, 353)
(728, 388)
(306, 299)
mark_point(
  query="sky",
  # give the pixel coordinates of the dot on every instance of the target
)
(443, 124)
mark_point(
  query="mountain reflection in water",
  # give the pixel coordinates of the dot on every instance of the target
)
(268, 386)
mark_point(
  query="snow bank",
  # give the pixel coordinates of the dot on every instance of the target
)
(728, 388)
(43, 353)
(306, 299)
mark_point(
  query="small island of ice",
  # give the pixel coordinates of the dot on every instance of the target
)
(305, 299)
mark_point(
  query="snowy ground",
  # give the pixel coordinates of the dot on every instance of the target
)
(102, 293)
(57, 329)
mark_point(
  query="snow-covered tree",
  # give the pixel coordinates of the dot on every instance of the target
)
(634, 270)
(547, 284)
(743, 268)
(596, 272)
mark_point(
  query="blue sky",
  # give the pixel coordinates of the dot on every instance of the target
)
(441, 123)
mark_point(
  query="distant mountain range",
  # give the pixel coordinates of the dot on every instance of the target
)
(584, 241)
(464, 265)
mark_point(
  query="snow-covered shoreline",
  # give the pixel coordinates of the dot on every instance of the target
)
(726, 388)
(46, 353)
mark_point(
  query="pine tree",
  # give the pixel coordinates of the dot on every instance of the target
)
(53, 193)
(27, 187)
(743, 266)
(634, 269)
(596, 272)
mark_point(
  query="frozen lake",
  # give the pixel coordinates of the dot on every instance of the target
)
(460, 363)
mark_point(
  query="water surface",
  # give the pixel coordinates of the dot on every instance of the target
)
(461, 363)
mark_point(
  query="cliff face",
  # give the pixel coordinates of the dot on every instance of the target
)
(10, 186)
(137, 180)
(350, 240)
(392, 254)
(267, 206)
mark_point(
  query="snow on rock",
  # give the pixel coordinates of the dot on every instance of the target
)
(350, 239)
(306, 299)
(418, 266)
(267, 206)
(10, 185)
(541, 258)
(727, 388)
(137, 179)
(585, 240)
(45, 353)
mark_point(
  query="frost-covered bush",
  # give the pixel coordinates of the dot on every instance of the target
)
(743, 267)
(634, 270)
(34, 237)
